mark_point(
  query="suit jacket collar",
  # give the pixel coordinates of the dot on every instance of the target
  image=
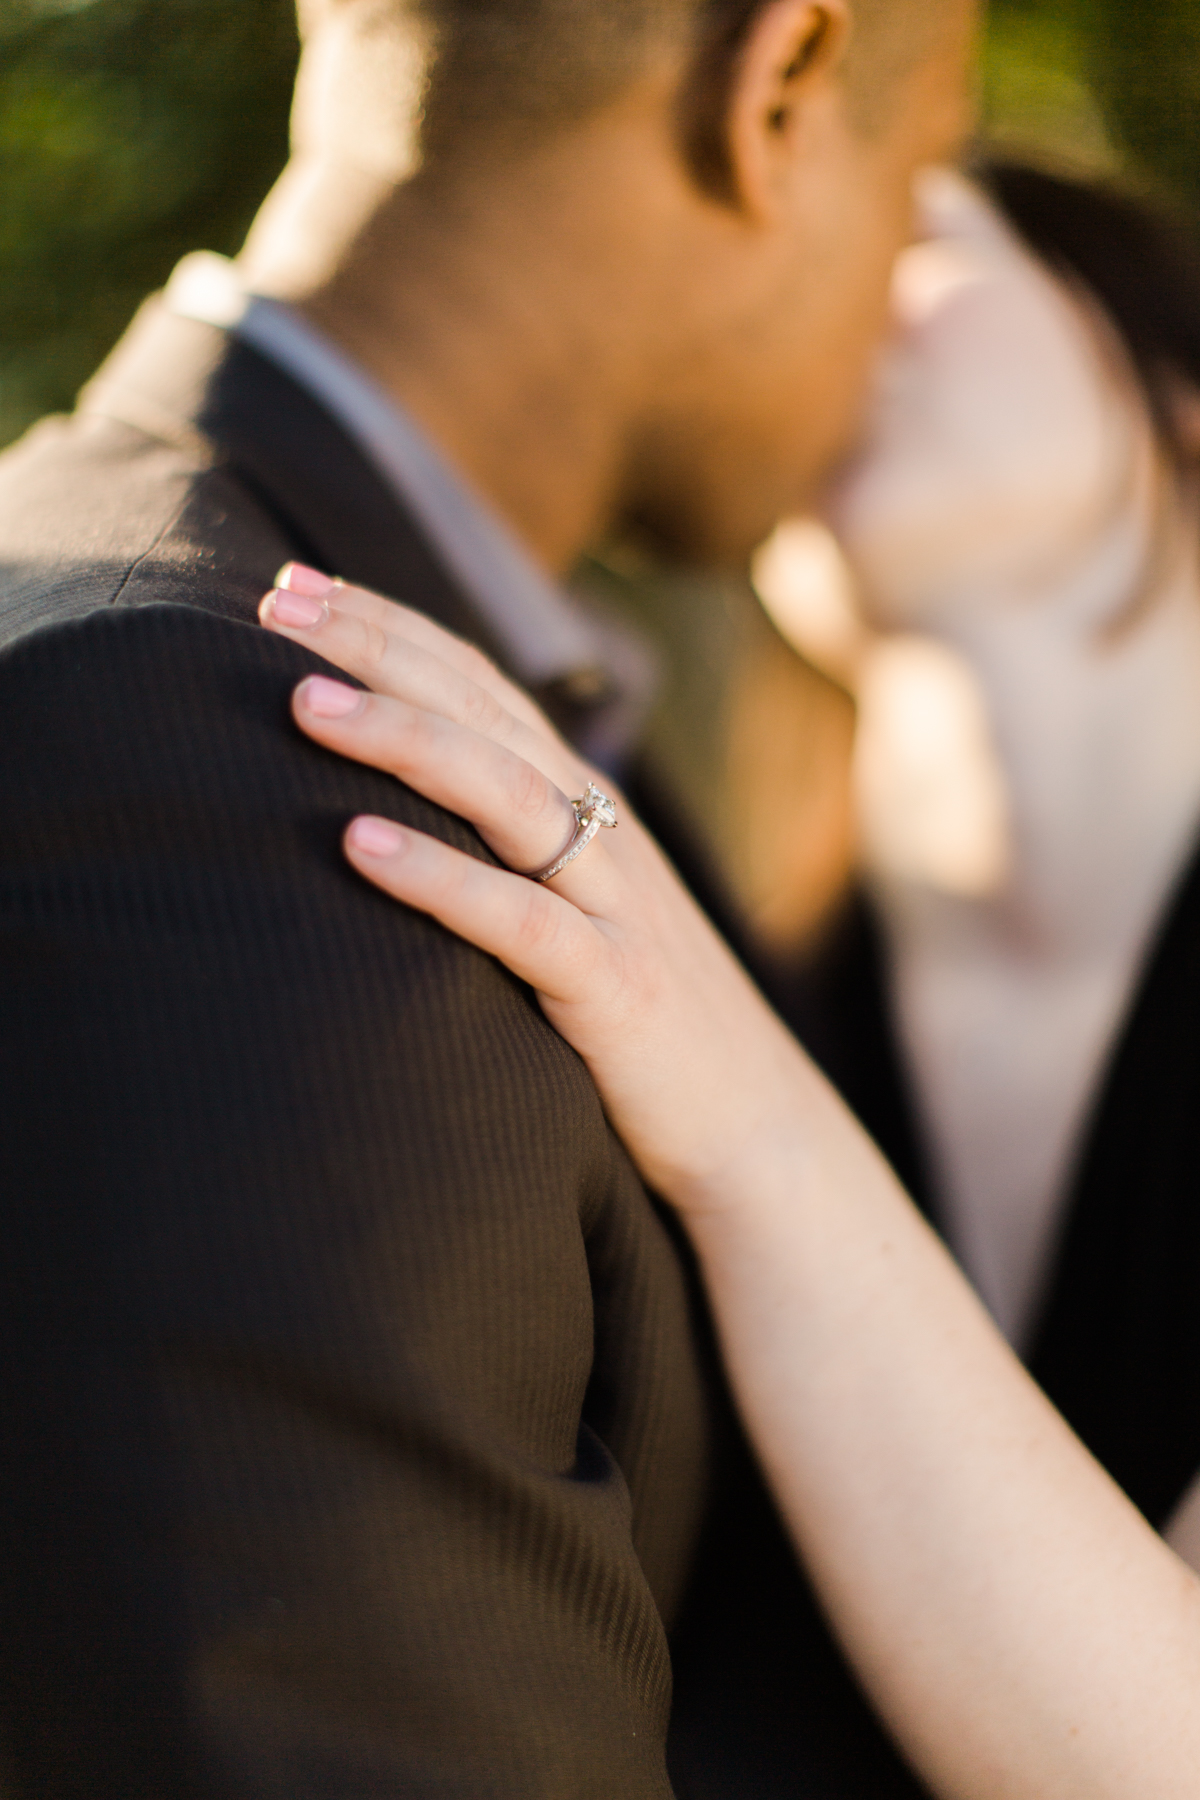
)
(194, 385)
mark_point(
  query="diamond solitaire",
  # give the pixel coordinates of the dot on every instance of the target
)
(594, 811)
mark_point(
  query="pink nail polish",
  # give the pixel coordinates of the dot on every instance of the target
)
(298, 578)
(330, 699)
(296, 610)
(375, 837)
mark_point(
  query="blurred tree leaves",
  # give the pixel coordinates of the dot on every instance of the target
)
(134, 130)
(1101, 85)
(130, 132)
(1144, 63)
(1039, 99)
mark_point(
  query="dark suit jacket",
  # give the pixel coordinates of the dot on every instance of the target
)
(353, 1429)
(361, 1431)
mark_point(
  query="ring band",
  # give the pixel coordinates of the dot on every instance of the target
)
(594, 812)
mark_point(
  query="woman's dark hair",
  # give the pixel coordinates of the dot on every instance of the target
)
(1139, 262)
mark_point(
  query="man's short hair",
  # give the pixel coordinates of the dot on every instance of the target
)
(469, 75)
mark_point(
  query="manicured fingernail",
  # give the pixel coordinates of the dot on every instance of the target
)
(330, 699)
(298, 578)
(294, 610)
(375, 837)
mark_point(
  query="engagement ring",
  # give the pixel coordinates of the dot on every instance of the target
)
(593, 812)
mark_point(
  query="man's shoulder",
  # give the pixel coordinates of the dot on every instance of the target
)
(153, 749)
(159, 803)
(95, 513)
(173, 706)
(388, 1336)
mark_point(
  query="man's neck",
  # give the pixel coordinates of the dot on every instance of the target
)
(508, 334)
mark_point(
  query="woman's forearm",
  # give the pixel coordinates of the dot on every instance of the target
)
(1020, 1626)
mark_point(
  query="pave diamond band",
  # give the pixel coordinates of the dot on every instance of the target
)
(594, 812)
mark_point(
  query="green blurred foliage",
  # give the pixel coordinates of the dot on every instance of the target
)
(134, 130)
(1144, 63)
(1038, 98)
(1102, 86)
(131, 131)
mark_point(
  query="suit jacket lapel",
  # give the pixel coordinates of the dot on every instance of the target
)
(197, 386)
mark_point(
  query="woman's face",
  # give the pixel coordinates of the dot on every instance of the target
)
(1005, 431)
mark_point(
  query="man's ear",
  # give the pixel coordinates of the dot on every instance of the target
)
(792, 53)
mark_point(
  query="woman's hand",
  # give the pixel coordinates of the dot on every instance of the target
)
(1021, 1628)
(691, 1063)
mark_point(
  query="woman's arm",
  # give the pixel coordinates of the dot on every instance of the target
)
(1020, 1626)
(1017, 1622)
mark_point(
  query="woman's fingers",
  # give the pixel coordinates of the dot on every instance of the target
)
(541, 937)
(517, 809)
(392, 649)
(391, 615)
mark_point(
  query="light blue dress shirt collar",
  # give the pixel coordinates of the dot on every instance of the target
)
(548, 635)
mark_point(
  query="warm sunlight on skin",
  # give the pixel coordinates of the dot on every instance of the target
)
(796, 288)
(931, 801)
(703, 358)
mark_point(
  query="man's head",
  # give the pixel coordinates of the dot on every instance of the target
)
(456, 79)
(704, 197)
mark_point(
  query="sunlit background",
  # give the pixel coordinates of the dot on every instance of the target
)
(132, 131)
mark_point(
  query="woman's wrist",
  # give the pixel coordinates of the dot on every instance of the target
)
(801, 1179)
(757, 1162)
